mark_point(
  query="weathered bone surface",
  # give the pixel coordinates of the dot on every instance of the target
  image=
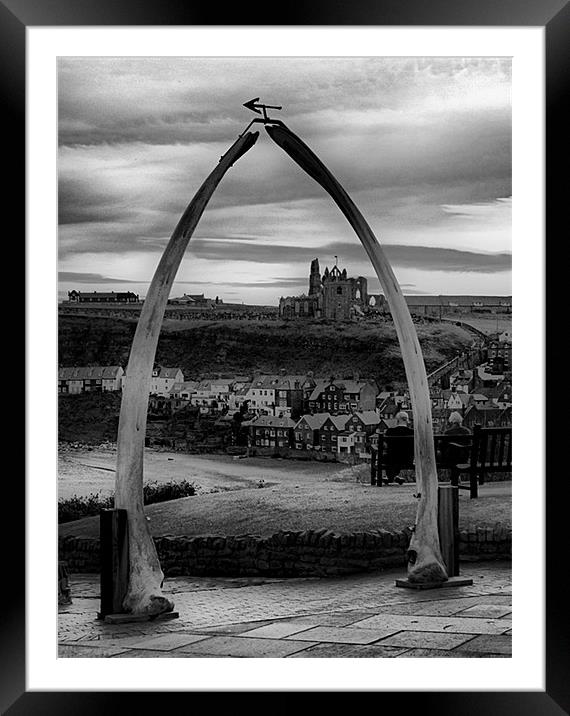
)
(425, 561)
(144, 595)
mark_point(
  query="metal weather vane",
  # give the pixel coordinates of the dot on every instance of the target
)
(259, 108)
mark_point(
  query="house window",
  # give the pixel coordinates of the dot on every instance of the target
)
(339, 290)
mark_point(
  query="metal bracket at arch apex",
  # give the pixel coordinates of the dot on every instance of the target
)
(255, 106)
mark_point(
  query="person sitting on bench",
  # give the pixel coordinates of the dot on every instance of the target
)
(457, 451)
(400, 452)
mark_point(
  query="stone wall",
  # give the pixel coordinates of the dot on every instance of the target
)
(319, 553)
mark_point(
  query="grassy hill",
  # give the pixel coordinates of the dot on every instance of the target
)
(91, 418)
(204, 347)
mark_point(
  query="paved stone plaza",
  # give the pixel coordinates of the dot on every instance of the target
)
(363, 616)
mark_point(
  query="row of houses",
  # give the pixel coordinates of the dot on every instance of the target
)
(482, 396)
(351, 433)
(91, 379)
(479, 395)
(278, 395)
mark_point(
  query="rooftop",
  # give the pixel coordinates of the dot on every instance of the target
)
(106, 372)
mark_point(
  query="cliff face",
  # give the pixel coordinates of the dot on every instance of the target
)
(202, 348)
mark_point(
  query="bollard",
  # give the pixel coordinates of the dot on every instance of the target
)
(114, 545)
(448, 527)
(64, 589)
(448, 531)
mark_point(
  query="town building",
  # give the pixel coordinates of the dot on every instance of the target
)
(197, 300)
(163, 379)
(338, 396)
(352, 443)
(90, 379)
(462, 379)
(184, 390)
(278, 394)
(486, 376)
(392, 403)
(438, 306)
(237, 397)
(329, 432)
(322, 431)
(499, 355)
(306, 432)
(271, 431)
(102, 297)
(212, 396)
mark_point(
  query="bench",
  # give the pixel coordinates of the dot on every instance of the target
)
(486, 450)
(490, 451)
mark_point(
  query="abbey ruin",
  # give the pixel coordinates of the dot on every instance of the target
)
(333, 295)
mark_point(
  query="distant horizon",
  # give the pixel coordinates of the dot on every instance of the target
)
(62, 297)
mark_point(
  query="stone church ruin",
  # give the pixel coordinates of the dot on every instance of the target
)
(333, 295)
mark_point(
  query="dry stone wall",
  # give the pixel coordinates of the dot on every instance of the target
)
(319, 553)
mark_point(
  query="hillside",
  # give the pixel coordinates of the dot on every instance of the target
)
(202, 347)
(91, 418)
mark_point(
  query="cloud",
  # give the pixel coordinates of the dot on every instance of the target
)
(271, 283)
(425, 257)
(182, 100)
(423, 146)
(97, 278)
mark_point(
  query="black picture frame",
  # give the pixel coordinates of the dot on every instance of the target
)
(554, 16)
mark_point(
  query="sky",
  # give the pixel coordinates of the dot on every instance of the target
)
(422, 145)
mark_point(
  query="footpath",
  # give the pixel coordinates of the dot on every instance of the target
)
(362, 616)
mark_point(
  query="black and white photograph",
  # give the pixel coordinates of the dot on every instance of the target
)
(287, 266)
(284, 357)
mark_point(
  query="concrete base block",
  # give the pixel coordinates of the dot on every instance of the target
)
(130, 618)
(451, 582)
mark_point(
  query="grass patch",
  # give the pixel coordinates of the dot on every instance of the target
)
(76, 508)
(339, 506)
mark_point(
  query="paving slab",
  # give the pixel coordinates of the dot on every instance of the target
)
(335, 619)
(426, 640)
(492, 644)
(89, 652)
(445, 654)
(348, 651)
(435, 607)
(233, 628)
(167, 642)
(492, 611)
(278, 630)
(150, 654)
(124, 641)
(433, 624)
(242, 646)
(344, 635)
